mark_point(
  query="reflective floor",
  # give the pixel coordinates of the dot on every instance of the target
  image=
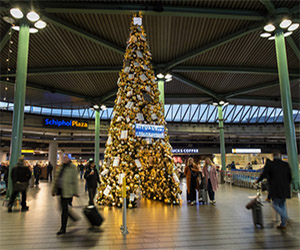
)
(228, 225)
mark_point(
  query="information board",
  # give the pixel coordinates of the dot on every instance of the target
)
(149, 131)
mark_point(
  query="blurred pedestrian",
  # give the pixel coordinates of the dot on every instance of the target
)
(191, 172)
(49, 171)
(20, 175)
(66, 186)
(37, 173)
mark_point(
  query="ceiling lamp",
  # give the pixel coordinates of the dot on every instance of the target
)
(96, 106)
(272, 38)
(9, 19)
(215, 103)
(269, 27)
(287, 34)
(160, 76)
(16, 13)
(285, 23)
(293, 27)
(40, 24)
(17, 28)
(32, 16)
(103, 107)
(33, 30)
(226, 103)
(265, 35)
(221, 102)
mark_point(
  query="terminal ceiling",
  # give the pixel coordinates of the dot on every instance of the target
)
(212, 49)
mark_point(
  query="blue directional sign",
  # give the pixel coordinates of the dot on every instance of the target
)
(149, 131)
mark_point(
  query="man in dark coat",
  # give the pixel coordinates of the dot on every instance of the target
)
(92, 178)
(279, 176)
(20, 176)
(37, 173)
(49, 171)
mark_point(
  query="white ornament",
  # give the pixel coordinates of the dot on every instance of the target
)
(137, 21)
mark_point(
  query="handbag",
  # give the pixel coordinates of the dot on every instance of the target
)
(20, 186)
(194, 174)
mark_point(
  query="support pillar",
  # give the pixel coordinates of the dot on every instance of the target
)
(60, 158)
(285, 93)
(161, 88)
(97, 138)
(19, 100)
(222, 139)
(52, 154)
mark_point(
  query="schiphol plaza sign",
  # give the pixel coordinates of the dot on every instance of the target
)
(62, 123)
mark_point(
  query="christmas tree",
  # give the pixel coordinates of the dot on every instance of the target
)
(146, 161)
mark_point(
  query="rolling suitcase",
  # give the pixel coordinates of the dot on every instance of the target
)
(203, 197)
(93, 216)
(257, 214)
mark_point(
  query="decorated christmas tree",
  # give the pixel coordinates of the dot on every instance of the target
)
(138, 144)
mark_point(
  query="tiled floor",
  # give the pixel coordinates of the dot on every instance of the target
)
(228, 225)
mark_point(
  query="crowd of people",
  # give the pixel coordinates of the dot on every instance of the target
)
(65, 184)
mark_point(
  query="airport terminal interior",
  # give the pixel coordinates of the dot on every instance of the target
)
(170, 124)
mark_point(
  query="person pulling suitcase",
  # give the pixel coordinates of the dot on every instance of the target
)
(92, 178)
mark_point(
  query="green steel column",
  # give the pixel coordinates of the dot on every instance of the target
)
(287, 107)
(222, 140)
(97, 137)
(19, 100)
(161, 88)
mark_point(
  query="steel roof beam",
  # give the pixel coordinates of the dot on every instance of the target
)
(51, 89)
(212, 45)
(195, 85)
(269, 6)
(231, 70)
(83, 33)
(5, 39)
(67, 70)
(253, 88)
(147, 9)
(293, 46)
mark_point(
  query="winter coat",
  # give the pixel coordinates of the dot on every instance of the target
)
(69, 182)
(188, 175)
(279, 176)
(93, 179)
(213, 177)
(20, 173)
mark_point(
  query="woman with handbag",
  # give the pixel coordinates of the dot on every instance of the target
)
(191, 172)
(210, 174)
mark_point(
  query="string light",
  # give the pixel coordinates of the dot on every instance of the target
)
(8, 61)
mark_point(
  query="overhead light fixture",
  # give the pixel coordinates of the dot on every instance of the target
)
(33, 30)
(15, 27)
(96, 106)
(271, 38)
(285, 23)
(103, 107)
(169, 79)
(33, 16)
(168, 76)
(269, 27)
(215, 103)
(16, 13)
(40, 24)
(221, 102)
(160, 76)
(226, 103)
(287, 34)
(8, 19)
(293, 27)
(265, 35)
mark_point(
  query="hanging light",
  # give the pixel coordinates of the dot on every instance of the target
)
(168, 76)
(160, 76)
(285, 23)
(293, 27)
(103, 107)
(215, 103)
(16, 13)
(226, 103)
(17, 28)
(33, 16)
(287, 34)
(272, 38)
(40, 24)
(96, 106)
(265, 35)
(9, 19)
(221, 102)
(269, 27)
(33, 30)
(169, 79)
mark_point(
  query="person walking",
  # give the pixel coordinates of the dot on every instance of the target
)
(92, 178)
(279, 176)
(37, 173)
(20, 176)
(81, 170)
(49, 171)
(65, 185)
(191, 172)
(210, 175)
(4, 171)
